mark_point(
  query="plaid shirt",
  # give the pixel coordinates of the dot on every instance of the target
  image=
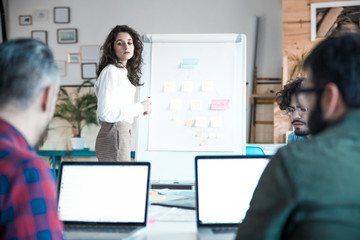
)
(28, 199)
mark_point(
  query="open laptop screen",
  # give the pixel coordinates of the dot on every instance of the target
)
(225, 185)
(103, 192)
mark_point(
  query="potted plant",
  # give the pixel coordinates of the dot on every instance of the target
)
(78, 109)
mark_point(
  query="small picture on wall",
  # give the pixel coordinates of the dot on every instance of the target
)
(88, 70)
(41, 15)
(67, 35)
(25, 20)
(61, 15)
(74, 58)
(61, 68)
(39, 35)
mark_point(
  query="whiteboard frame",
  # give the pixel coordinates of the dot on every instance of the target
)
(179, 166)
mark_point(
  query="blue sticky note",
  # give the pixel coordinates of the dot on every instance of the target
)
(189, 63)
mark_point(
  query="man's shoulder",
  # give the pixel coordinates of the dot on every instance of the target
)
(15, 160)
(292, 137)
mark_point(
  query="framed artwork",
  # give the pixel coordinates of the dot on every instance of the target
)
(41, 15)
(67, 35)
(40, 35)
(25, 20)
(74, 58)
(88, 70)
(61, 67)
(326, 18)
(90, 52)
(61, 15)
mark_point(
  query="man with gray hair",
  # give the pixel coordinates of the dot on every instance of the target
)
(29, 84)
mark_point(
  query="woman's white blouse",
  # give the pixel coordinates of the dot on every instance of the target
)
(116, 96)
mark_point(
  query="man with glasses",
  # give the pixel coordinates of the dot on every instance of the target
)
(311, 190)
(298, 114)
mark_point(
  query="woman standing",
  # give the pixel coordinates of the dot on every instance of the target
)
(118, 76)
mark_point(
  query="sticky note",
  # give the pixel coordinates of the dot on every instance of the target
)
(175, 117)
(195, 105)
(188, 123)
(219, 135)
(207, 86)
(201, 122)
(199, 133)
(169, 87)
(216, 122)
(203, 143)
(189, 63)
(187, 86)
(220, 104)
(176, 104)
(212, 135)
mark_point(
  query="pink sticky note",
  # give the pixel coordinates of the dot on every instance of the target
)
(220, 104)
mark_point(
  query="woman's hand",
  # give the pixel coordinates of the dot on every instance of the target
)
(147, 106)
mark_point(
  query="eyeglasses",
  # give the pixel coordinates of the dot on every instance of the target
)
(309, 90)
(299, 110)
(302, 95)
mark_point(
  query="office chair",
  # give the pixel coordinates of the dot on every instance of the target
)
(254, 150)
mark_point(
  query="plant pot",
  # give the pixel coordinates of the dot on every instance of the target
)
(77, 143)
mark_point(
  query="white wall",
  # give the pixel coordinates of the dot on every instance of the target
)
(95, 18)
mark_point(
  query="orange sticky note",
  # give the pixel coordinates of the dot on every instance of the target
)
(203, 143)
(188, 123)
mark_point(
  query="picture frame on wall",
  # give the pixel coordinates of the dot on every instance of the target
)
(62, 68)
(40, 35)
(61, 15)
(326, 18)
(88, 70)
(90, 52)
(74, 58)
(67, 35)
(41, 15)
(25, 20)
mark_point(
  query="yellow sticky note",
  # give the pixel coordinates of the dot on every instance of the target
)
(195, 105)
(201, 122)
(176, 104)
(175, 117)
(203, 143)
(216, 122)
(169, 87)
(207, 86)
(219, 135)
(187, 86)
(188, 123)
(199, 133)
(212, 135)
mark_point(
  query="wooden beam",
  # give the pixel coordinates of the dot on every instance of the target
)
(328, 21)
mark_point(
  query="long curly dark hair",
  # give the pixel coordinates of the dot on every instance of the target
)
(109, 57)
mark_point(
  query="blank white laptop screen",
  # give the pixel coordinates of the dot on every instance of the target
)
(225, 188)
(103, 193)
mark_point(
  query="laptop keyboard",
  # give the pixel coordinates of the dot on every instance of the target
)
(218, 230)
(100, 228)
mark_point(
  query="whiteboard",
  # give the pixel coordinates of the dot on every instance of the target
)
(197, 85)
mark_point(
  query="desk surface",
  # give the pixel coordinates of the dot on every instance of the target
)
(166, 223)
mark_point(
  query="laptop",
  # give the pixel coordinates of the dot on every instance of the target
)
(224, 189)
(103, 200)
